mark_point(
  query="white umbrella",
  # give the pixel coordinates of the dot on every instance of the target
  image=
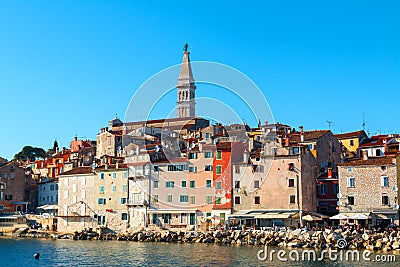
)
(339, 216)
(359, 216)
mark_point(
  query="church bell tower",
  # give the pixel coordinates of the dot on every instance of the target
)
(186, 88)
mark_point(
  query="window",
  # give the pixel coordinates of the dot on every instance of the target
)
(5, 175)
(383, 168)
(292, 199)
(101, 219)
(183, 184)
(169, 184)
(192, 156)
(237, 184)
(183, 198)
(101, 189)
(155, 198)
(218, 169)
(350, 169)
(114, 188)
(310, 146)
(125, 188)
(156, 168)
(237, 200)
(192, 169)
(124, 216)
(351, 182)
(1, 207)
(208, 155)
(192, 184)
(385, 181)
(114, 175)
(208, 135)
(208, 183)
(291, 182)
(169, 198)
(257, 200)
(254, 168)
(101, 201)
(385, 200)
(208, 214)
(256, 184)
(102, 175)
(83, 193)
(237, 169)
(219, 155)
(209, 199)
(295, 150)
(155, 184)
(335, 189)
(123, 200)
(44, 187)
(218, 201)
(208, 168)
(177, 168)
(350, 200)
(192, 199)
(218, 185)
(323, 189)
(351, 142)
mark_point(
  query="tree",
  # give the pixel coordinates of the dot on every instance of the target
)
(30, 153)
(51, 151)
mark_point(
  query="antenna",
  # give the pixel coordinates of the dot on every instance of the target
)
(363, 122)
(329, 124)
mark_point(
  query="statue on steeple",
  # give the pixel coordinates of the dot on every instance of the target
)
(185, 47)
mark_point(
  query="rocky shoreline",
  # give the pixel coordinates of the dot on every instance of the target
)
(323, 239)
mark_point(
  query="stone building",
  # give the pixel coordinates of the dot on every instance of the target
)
(76, 200)
(111, 197)
(370, 187)
(15, 186)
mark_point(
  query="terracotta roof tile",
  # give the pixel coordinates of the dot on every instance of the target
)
(349, 135)
(79, 170)
(371, 161)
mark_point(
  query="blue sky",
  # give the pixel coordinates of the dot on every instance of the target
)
(68, 67)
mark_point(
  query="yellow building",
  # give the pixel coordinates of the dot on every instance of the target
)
(351, 141)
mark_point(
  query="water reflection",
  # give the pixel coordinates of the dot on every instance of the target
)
(115, 253)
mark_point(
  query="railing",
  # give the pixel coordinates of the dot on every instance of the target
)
(136, 202)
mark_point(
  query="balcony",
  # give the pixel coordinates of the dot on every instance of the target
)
(136, 202)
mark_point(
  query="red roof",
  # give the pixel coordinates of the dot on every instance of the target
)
(378, 140)
(371, 161)
(348, 135)
(78, 170)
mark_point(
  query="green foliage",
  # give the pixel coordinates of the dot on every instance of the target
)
(30, 153)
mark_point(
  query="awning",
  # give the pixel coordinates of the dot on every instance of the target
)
(173, 211)
(51, 207)
(274, 215)
(339, 216)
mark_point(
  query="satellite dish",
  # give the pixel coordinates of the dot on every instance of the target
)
(156, 148)
(339, 195)
(339, 203)
(395, 188)
(192, 145)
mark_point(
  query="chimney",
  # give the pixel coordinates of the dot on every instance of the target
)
(75, 138)
(287, 141)
(116, 165)
(364, 155)
(106, 166)
(301, 133)
(329, 172)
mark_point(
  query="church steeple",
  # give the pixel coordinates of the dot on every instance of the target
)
(186, 87)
